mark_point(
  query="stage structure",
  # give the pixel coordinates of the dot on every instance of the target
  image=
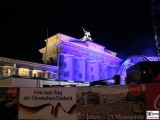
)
(129, 62)
(80, 59)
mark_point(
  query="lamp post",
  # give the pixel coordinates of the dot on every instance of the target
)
(46, 54)
(45, 62)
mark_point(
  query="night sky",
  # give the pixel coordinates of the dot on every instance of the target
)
(122, 26)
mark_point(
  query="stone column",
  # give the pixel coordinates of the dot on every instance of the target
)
(87, 69)
(79, 70)
(66, 67)
(92, 70)
(30, 73)
(103, 73)
(95, 72)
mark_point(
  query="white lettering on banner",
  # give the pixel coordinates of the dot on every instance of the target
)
(135, 89)
(156, 102)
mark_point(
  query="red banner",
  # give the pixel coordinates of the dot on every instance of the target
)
(153, 96)
(135, 89)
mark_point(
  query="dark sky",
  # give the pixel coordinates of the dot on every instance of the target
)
(122, 26)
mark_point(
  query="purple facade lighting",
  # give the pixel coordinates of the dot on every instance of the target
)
(83, 61)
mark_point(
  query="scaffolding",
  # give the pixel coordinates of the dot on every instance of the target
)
(155, 7)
